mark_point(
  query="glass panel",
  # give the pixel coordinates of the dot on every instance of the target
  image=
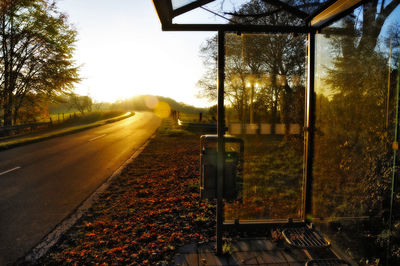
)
(264, 96)
(180, 3)
(244, 12)
(355, 85)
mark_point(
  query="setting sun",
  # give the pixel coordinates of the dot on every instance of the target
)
(122, 52)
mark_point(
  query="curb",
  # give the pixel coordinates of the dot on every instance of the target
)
(52, 238)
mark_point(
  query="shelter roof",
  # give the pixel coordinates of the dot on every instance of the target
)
(279, 16)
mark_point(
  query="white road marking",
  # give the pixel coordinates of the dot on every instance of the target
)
(5, 172)
(97, 137)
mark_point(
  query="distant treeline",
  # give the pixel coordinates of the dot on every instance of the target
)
(141, 103)
(66, 104)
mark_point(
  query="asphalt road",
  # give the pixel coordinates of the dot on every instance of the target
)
(42, 183)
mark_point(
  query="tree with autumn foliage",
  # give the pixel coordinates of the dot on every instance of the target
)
(355, 121)
(357, 100)
(35, 56)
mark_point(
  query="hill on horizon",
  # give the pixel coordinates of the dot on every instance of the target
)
(144, 102)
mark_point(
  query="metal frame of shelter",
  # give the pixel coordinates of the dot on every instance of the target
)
(327, 13)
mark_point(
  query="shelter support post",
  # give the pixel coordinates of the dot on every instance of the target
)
(309, 125)
(395, 167)
(221, 144)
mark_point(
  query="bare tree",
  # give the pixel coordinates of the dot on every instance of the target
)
(263, 72)
(81, 103)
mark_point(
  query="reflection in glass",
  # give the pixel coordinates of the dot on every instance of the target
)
(264, 96)
(355, 120)
(253, 12)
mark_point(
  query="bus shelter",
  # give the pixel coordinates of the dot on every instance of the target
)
(310, 90)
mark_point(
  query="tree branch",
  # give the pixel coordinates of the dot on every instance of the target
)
(264, 14)
(290, 9)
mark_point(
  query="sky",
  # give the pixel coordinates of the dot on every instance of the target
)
(123, 52)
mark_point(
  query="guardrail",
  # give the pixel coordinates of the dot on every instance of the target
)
(18, 128)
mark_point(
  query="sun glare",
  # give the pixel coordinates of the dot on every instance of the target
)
(162, 110)
(127, 54)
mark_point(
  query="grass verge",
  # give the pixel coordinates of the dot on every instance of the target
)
(32, 139)
(147, 212)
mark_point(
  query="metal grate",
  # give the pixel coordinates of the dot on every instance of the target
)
(327, 262)
(304, 237)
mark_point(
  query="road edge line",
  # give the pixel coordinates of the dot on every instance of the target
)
(52, 238)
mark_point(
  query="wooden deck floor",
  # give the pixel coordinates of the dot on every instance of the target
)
(254, 251)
